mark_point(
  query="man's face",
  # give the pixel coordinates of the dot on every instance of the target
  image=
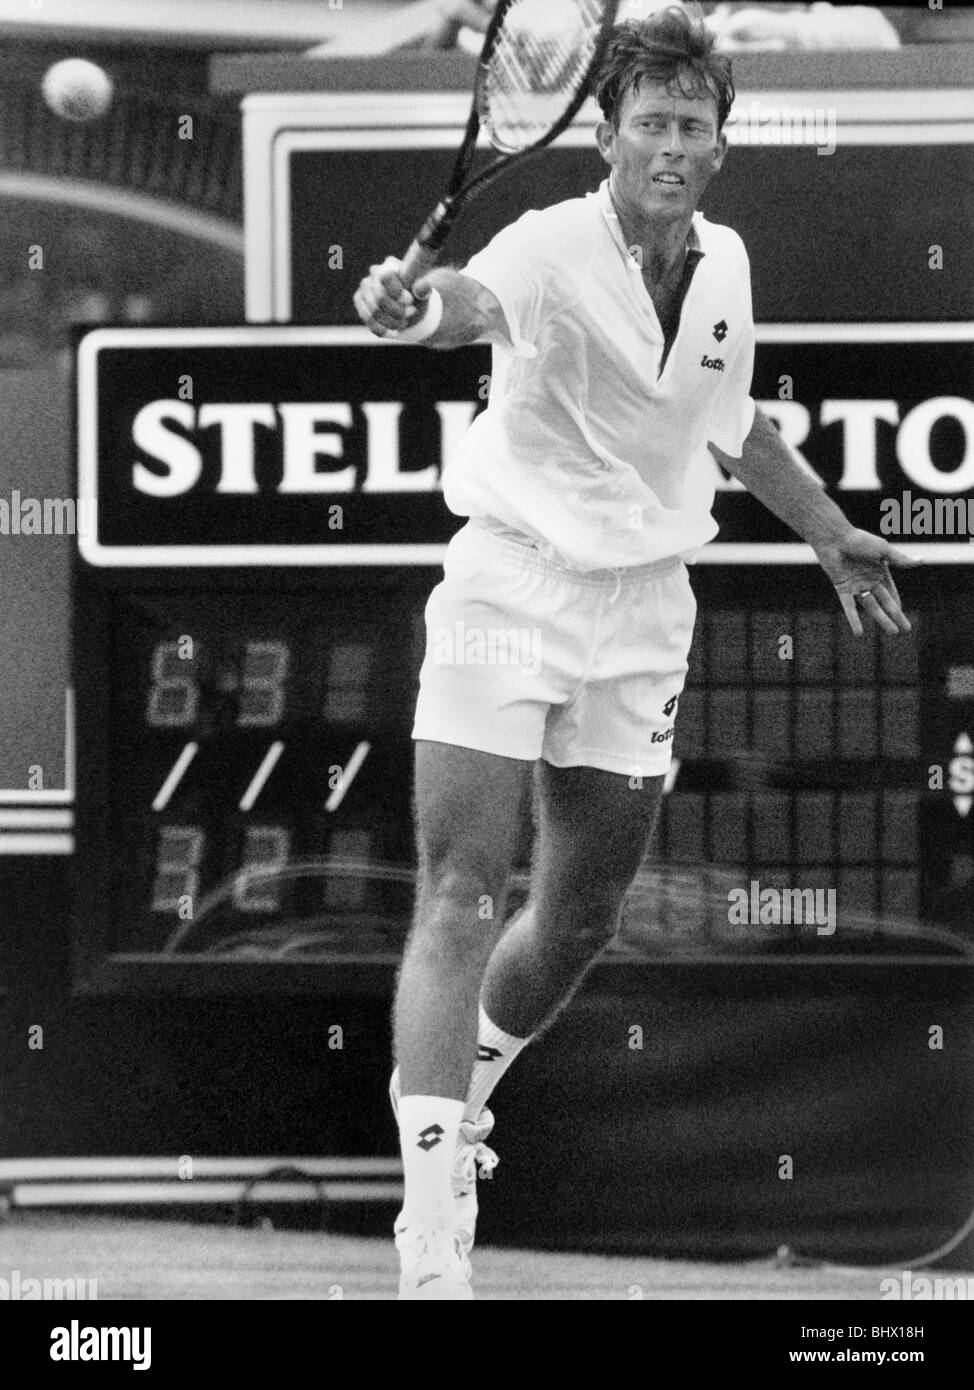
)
(665, 151)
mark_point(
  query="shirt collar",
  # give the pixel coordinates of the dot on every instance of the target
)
(604, 199)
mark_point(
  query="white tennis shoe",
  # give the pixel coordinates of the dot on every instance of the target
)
(473, 1160)
(433, 1266)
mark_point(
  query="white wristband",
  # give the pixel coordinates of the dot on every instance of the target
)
(428, 324)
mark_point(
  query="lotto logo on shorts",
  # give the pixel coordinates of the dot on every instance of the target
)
(430, 1137)
(716, 364)
(664, 737)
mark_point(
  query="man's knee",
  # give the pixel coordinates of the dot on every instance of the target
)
(460, 885)
(582, 921)
(458, 903)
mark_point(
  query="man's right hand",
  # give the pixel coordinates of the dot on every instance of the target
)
(384, 304)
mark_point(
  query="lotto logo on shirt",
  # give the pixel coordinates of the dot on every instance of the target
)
(716, 364)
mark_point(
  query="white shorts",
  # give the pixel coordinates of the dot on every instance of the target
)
(528, 659)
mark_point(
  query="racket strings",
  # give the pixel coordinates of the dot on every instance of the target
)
(538, 64)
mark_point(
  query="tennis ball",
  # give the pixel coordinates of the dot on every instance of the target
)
(77, 90)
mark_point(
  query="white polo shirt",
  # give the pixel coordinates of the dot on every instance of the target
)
(586, 445)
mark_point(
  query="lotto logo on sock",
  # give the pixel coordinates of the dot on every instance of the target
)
(487, 1054)
(430, 1137)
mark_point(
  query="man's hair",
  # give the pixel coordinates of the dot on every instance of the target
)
(670, 46)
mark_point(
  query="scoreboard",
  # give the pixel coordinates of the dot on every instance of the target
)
(265, 523)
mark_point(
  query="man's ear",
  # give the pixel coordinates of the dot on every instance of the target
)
(606, 137)
(720, 151)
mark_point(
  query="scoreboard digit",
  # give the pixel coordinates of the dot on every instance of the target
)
(241, 721)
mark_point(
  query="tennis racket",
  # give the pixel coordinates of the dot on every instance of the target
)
(533, 75)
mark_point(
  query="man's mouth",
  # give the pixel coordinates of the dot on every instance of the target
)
(673, 179)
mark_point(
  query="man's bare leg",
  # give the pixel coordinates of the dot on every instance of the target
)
(466, 824)
(594, 831)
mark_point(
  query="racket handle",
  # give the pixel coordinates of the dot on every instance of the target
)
(418, 260)
(425, 250)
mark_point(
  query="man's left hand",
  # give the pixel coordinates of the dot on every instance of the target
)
(859, 567)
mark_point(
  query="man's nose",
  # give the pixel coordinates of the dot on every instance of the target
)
(673, 143)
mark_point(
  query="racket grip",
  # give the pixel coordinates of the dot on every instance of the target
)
(418, 260)
(425, 250)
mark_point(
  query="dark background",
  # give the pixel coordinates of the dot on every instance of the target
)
(810, 223)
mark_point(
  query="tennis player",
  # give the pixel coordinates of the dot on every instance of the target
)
(623, 347)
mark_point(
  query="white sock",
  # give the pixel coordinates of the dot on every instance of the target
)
(496, 1051)
(428, 1129)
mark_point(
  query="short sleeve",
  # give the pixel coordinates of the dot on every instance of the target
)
(515, 268)
(733, 413)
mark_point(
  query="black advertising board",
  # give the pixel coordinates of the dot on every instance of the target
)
(235, 446)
